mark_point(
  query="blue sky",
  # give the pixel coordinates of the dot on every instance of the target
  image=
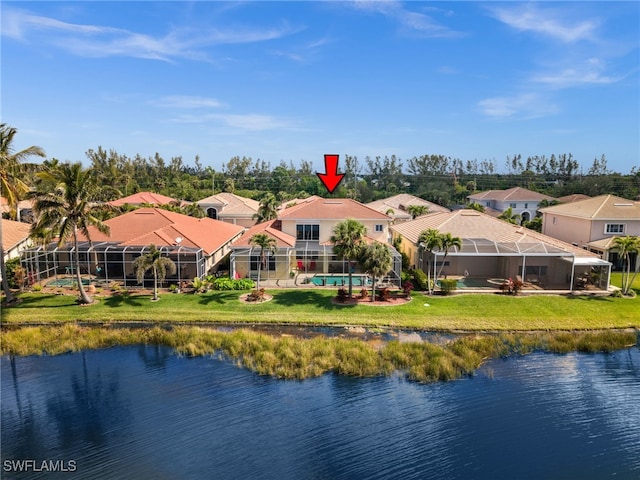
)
(295, 80)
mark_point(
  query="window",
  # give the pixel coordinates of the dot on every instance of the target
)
(487, 204)
(614, 228)
(270, 263)
(379, 227)
(513, 205)
(308, 232)
(526, 205)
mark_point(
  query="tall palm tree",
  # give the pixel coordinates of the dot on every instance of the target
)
(66, 209)
(626, 246)
(376, 260)
(348, 240)
(11, 186)
(267, 244)
(428, 241)
(268, 209)
(153, 260)
(448, 241)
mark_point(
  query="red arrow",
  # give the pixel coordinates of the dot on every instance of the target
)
(332, 178)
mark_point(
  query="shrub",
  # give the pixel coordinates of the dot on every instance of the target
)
(343, 294)
(421, 279)
(11, 267)
(448, 285)
(224, 283)
(407, 286)
(364, 293)
(385, 294)
(256, 295)
(199, 285)
(36, 288)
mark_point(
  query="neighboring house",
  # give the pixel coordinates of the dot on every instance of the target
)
(495, 249)
(145, 198)
(593, 223)
(196, 245)
(303, 239)
(522, 202)
(230, 208)
(297, 201)
(396, 206)
(24, 212)
(15, 238)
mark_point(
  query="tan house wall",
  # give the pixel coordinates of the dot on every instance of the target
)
(327, 226)
(568, 229)
(598, 228)
(284, 265)
(242, 221)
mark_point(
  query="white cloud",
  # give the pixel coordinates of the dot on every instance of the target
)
(249, 121)
(411, 22)
(187, 101)
(100, 41)
(526, 105)
(589, 73)
(548, 22)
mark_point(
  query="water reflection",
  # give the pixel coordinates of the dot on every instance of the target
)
(143, 412)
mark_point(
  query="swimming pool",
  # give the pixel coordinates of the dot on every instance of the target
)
(474, 283)
(340, 280)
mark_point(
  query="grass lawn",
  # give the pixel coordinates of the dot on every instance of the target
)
(314, 307)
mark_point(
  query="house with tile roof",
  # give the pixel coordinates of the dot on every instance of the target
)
(396, 206)
(230, 208)
(196, 245)
(594, 223)
(145, 198)
(522, 201)
(23, 212)
(15, 238)
(493, 250)
(303, 239)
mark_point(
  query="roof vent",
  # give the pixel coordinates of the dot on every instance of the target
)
(623, 204)
(333, 202)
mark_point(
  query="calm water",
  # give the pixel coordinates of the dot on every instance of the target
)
(145, 413)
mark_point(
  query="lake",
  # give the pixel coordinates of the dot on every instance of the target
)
(145, 413)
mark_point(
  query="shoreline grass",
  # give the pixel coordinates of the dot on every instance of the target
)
(299, 358)
(465, 312)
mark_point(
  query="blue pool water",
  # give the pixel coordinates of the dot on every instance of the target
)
(340, 280)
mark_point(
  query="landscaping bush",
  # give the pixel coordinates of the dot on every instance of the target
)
(364, 293)
(224, 283)
(421, 279)
(448, 285)
(12, 266)
(343, 294)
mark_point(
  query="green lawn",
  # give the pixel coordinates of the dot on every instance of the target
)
(616, 279)
(314, 307)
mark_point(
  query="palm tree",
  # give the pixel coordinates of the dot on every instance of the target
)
(11, 187)
(348, 239)
(66, 209)
(428, 241)
(510, 217)
(417, 211)
(447, 241)
(626, 246)
(268, 209)
(376, 260)
(153, 260)
(266, 244)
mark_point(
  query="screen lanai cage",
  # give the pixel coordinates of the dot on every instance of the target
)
(103, 263)
(305, 261)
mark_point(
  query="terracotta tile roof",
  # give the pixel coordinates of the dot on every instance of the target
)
(512, 194)
(399, 204)
(603, 207)
(145, 197)
(271, 229)
(161, 227)
(231, 204)
(13, 233)
(576, 197)
(297, 201)
(332, 209)
(476, 225)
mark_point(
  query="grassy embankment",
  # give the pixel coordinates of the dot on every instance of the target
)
(471, 312)
(287, 357)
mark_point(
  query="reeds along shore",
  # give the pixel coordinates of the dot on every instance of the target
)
(299, 358)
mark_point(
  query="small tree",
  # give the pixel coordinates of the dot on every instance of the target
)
(268, 209)
(428, 241)
(376, 260)
(417, 210)
(267, 244)
(510, 217)
(153, 260)
(626, 246)
(448, 241)
(348, 239)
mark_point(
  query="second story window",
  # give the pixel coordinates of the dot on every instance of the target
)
(308, 232)
(614, 228)
(513, 205)
(379, 227)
